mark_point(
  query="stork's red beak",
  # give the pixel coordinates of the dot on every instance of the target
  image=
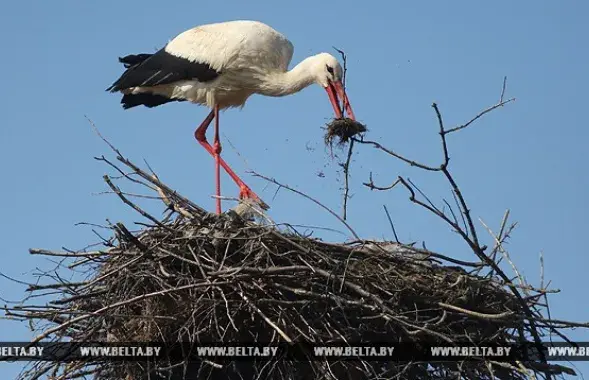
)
(335, 91)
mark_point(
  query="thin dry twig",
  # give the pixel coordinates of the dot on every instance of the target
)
(346, 170)
(281, 185)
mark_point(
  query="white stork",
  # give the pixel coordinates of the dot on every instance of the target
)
(221, 65)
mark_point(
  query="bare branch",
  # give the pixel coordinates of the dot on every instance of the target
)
(478, 116)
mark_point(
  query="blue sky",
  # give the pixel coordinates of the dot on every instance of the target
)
(530, 156)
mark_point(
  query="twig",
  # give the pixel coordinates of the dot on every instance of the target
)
(503, 89)
(372, 186)
(346, 170)
(478, 116)
(272, 180)
(346, 165)
(475, 313)
(265, 318)
(396, 155)
(128, 202)
(504, 252)
(391, 223)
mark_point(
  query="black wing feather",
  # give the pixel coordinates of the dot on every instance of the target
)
(147, 100)
(147, 70)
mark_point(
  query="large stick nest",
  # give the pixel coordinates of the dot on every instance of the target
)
(206, 278)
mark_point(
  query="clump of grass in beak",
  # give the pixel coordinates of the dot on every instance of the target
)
(340, 130)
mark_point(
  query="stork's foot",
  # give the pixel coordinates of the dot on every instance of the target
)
(246, 193)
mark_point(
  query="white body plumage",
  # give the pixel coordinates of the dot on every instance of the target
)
(244, 52)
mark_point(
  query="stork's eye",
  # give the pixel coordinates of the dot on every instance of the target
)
(329, 69)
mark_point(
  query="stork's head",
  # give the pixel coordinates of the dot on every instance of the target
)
(328, 73)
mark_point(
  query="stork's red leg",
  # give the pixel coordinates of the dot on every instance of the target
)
(215, 151)
(217, 154)
(200, 135)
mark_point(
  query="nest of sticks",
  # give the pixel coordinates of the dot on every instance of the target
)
(198, 277)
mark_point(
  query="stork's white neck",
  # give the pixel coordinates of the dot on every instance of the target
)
(286, 83)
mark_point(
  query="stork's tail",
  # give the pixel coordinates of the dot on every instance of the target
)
(130, 62)
(145, 99)
(133, 59)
